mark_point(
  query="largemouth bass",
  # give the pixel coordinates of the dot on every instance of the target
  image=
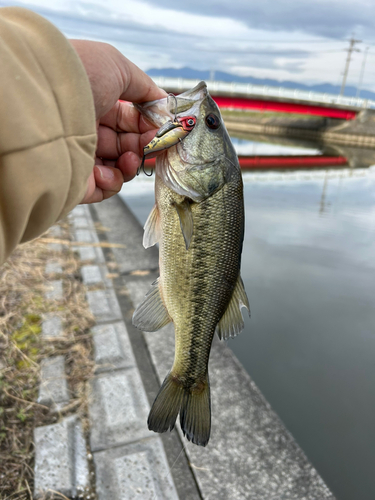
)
(198, 220)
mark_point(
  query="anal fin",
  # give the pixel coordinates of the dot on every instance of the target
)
(151, 314)
(231, 323)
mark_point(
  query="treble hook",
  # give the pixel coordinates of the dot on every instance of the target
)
(142, 167)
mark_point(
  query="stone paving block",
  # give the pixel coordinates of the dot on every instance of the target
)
(60, 459)
(95, 275)
(53, 388)
(78, 211)
(54, 290)
(86, 253)
(53, 267)
(85, 235)
(52, 326)
(137, 471)
(81, 467)
(91, 275)
(118, 409)
(55, 231)
(82, 223)
(90, 253)
(112, 347)
(104, 305)
(56, 247)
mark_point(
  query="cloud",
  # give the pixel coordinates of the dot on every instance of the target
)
(265, 40)
(330, 18)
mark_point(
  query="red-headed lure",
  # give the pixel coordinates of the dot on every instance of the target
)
(168, 135)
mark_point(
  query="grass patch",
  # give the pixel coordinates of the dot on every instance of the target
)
(23, 282)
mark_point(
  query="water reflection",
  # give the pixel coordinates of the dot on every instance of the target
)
(247, 147)
(309, 269)
(310, 345)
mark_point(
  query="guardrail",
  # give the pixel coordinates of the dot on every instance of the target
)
(250, 90)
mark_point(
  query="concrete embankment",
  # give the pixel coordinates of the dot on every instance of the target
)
(250, 455)
(359, 132)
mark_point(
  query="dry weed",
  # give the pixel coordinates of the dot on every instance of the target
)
(22, 307)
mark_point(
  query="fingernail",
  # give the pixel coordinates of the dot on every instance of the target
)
(106, 173)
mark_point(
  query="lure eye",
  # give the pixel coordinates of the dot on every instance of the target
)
(213, 121)
(188, 122)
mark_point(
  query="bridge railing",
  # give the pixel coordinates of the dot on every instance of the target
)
(250, 90)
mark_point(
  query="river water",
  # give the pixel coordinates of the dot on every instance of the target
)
(309, 270)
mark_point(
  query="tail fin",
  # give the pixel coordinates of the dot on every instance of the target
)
(192, 403)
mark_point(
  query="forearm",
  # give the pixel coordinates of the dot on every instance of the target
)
(48, 133)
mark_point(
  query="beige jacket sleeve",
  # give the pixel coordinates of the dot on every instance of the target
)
(47, 127)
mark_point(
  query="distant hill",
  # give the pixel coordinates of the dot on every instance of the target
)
(228, 77)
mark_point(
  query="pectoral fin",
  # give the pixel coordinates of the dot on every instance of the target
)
(151, 314)
(231, 323)
(151, 234)
(186, 220)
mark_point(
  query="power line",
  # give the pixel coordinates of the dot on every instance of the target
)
(362, 72)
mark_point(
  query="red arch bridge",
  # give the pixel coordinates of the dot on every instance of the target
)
(275, 99)
(287, 162)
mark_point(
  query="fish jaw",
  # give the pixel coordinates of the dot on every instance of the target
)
(167, 109)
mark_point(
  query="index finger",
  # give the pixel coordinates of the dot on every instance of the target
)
(124, 117)
(137, 86)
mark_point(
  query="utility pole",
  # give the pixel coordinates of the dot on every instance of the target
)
(351, 49)
(362, 72)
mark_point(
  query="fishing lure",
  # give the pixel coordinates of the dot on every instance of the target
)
(169, 134)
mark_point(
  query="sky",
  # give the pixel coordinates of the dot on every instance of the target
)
(296, 40)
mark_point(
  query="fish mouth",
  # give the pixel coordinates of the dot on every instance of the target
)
(163, 110)
(188, 100)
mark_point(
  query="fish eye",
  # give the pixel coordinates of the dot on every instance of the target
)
(213, 121)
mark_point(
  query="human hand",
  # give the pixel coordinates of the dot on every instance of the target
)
(122, 131)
